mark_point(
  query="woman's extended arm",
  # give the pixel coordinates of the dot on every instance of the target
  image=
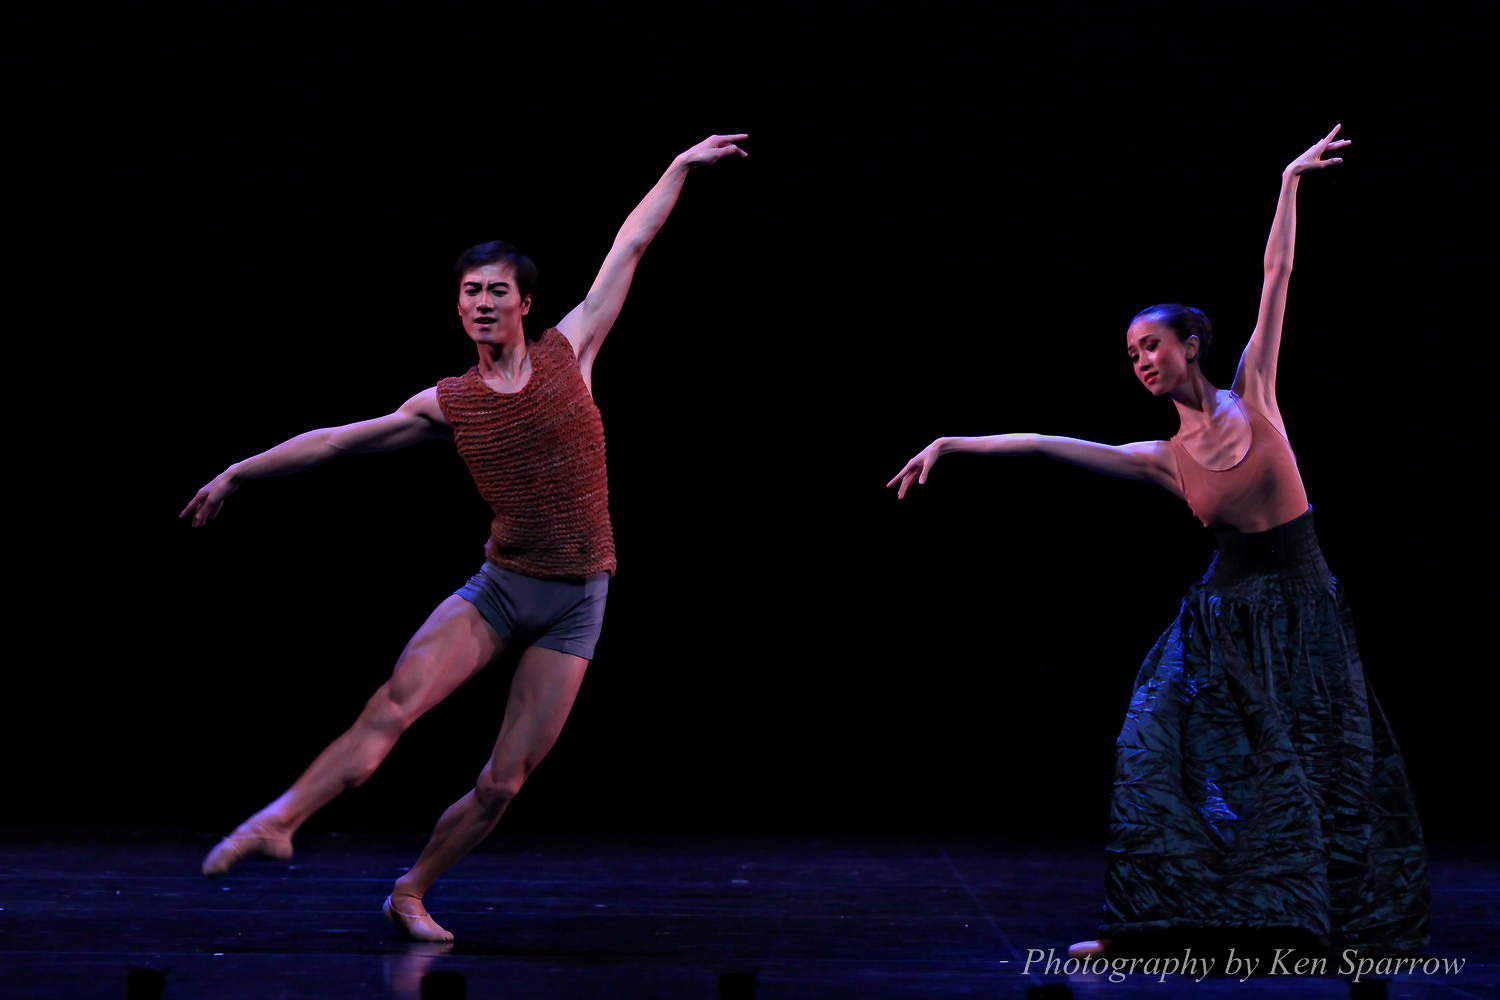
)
(418, 419)
(1148, 461)
(1256, 378)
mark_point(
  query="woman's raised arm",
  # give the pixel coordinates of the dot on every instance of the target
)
(1256, 378)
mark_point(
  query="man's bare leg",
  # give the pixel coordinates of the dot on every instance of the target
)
(541, 695)
(453, 645)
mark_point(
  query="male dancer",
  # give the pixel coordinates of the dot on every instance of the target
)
(525, 423)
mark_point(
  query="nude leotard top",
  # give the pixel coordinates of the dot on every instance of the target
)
(1262, 490)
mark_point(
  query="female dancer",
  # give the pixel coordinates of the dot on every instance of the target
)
(1256, 782)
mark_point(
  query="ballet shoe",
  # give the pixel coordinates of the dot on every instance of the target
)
(1089, 949)
(420, 925)
(241, 844)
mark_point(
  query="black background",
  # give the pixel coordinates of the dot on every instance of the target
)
(241, 224)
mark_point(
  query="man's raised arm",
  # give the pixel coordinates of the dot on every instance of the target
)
(589, 322)
(418, 419)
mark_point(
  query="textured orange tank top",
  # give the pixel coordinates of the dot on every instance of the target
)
(1264, 489)
(537, 456)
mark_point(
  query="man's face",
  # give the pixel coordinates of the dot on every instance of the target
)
(490, 305)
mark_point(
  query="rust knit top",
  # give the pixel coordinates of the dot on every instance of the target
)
(1260, 491)
(537, 457)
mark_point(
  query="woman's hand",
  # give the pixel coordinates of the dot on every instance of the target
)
(1313, 158)
(207, 502)
(917, 469)
(712, 150)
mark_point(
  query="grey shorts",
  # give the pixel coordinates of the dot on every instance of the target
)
(564, 615)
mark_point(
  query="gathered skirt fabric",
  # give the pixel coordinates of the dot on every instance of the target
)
(1257, 784)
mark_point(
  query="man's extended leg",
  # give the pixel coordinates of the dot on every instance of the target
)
(453, 645)
(541, 695)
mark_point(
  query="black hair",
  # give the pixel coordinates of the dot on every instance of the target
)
(1185, 321)
(522, 267)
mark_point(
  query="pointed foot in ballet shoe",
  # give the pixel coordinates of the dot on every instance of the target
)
(238, 846)
(1089, 949)
(415, 920)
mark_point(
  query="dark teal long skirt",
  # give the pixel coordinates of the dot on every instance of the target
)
(1257, 784)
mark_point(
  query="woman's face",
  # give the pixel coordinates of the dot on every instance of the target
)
(1160, 360)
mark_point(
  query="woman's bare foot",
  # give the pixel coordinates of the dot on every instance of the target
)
(257, 835)
(1089, 949)
(409, 913)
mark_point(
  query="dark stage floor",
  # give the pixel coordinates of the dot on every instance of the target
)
(639, 916)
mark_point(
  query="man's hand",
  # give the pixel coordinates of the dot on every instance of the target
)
(208, 501)
(712, 150)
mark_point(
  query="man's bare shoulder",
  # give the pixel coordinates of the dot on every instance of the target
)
(424, 405)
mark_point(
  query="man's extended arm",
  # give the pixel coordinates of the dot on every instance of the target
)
(589, 322)
(418, 419)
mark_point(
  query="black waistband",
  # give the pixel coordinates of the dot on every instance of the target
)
(1287, 553)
